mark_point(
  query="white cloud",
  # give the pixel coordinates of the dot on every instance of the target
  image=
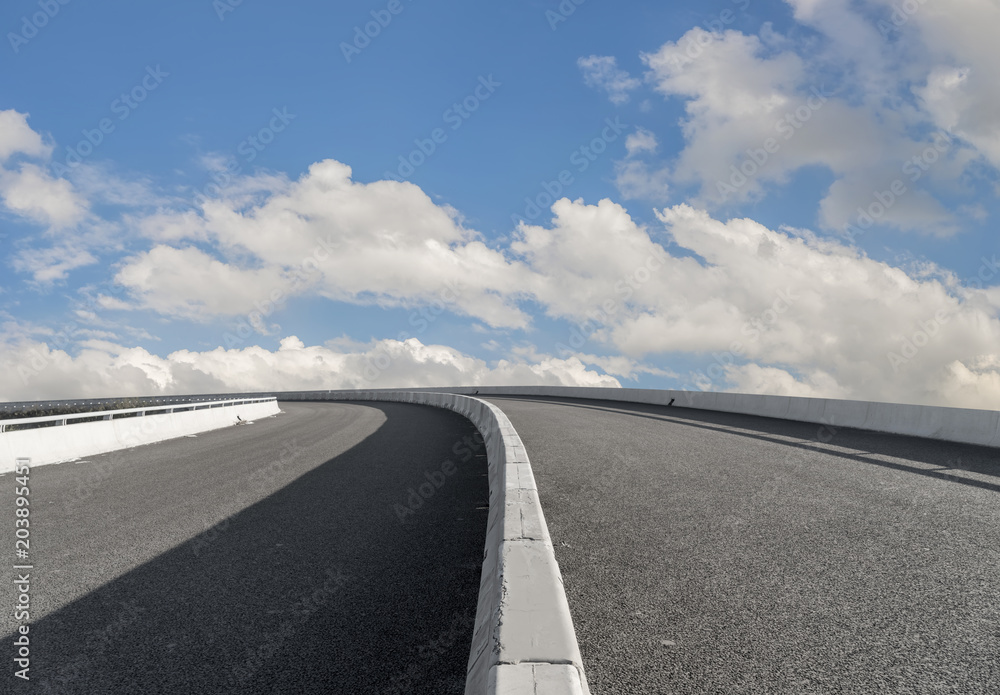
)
(811, 316)
(28, 190)
(760, 109)
(52, 264)
(97, 182)
(953, 46)
(850, 202)
(815, 315)
(16, 136)
(588, 257)
(637, 180)
(382, 243)
(641, 140)
(32, 193)
(726, 77)
(189, 283)
(754, 117)
(602, 72)
(776, 311)
(170, 227)
(104, 369)
(753, 378)
(619, 365)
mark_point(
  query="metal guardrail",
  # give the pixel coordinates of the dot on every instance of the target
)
(14, 408)
(181, 404)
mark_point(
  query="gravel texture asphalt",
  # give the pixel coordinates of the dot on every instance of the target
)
(275, 557)
(716, 553)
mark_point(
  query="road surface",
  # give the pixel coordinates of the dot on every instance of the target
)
(283, 556)
(715, 553)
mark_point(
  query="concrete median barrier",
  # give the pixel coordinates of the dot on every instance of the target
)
(523, 640)
(964, 425)
(57, 438)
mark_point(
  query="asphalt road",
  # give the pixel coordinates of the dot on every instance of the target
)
(276, 557)
(714, 553)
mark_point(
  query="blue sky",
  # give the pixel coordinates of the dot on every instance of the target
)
(780, 197)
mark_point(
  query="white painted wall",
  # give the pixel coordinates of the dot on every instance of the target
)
(523, 640)
(934, 422)
(63, 443)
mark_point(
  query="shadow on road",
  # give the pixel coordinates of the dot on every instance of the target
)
(318, 588)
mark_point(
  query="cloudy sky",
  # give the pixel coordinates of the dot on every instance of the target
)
(792, 197)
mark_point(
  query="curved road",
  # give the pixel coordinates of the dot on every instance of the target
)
(283, 556)
(716, 553)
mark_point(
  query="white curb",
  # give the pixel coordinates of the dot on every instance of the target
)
(523, 641)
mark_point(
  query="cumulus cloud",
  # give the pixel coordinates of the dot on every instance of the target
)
(31, 192)
(603, 73)
(28, 190)
(781, 311)
(33, 196)
(861, 101)
(952, 61)
(776, 311)
(189, 283)
(383, 243)
(16, 136)
(588, 259)
(47, 265)
(105, 369)
(636, 179)
(754, 116)
(641, 140)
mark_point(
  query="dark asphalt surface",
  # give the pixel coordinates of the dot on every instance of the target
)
(714, 553)
(266, 558)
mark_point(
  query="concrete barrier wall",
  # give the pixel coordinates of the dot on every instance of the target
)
(46, 445)
(523, 641)
(963, 425)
